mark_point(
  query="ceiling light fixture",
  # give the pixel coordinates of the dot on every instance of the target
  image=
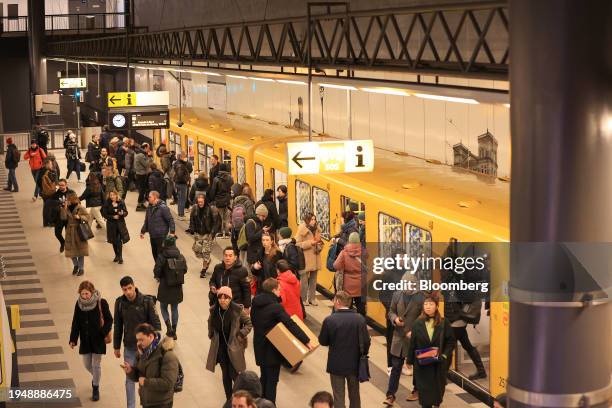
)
(447, 98)
(386, 91)
(290, 82)
(345, 87)
(210, 73)
(236, 76)
(261, 79)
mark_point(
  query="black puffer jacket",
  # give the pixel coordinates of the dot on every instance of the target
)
(220, 191)
(237, 278)
(249, 381)
(115, 227)
(203, 221)
(266, 313)
(11, 159)
(165, 293)
(268, 267)
(86, 328)
(283, 213)
(93, 199)
(157, 183)
(128, 315)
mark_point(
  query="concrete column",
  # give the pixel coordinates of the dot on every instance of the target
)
(36, 37)
(561, 110)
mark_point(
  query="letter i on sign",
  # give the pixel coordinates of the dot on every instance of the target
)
(360, 157)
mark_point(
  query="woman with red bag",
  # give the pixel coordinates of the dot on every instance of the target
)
(430, 352)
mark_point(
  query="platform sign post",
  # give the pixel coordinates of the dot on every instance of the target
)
(343, 156)
(70, 83)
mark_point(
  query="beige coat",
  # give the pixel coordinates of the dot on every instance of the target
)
(237, 342)
(74, 246)
(303, 239)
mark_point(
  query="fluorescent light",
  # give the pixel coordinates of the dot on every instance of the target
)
(507, 105)
(288, 81)
(261, 79)
(447, 98)
(210, 73)
(345, 87)
(237, 76)
(386, 91)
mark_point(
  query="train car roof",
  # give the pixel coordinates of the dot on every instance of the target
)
(456, 191)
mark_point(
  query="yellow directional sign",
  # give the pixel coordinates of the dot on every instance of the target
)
(348, 156)
(73, 83)
(123, 99)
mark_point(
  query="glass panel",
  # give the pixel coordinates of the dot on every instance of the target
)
(240, 170)
(321, 210)
(164, 137)
(259, 181)
(389, 235)
(209, 153)
(418, 243)
(190, 151)
(226, 157)
(202, 164)
(303, 199)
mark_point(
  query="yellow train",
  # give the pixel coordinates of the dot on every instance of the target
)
(406, 200)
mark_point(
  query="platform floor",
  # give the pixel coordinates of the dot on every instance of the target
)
(39, 279)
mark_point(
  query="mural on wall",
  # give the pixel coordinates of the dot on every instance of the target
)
(486, 160)
(186, 92)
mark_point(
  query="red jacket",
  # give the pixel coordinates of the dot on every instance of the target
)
(349, 261)
(290, 294)
(35, 157)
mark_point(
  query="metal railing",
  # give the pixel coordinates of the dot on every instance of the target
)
(13, 24)
(79, 23)
(22, 140)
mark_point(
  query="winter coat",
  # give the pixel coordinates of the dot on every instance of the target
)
(93, 155)
(171, 295)
(166, 162)
(128, 315)
(188, 167)
(431, 379)
(199, 186)
(35, 158)
(303, 239)
(54, 205)
(72, 149)
(247, 204)
(203, 221)
(266, 313)
(212, 173)
(48, 184)
(158, 220)
(268, 267)
(113, 183)
(272, 212)
(93, 199)
(249, 381)
(160, 369)
(350, 261)
(237, 278)
(283, 213)
(253, 229)
(157, 183)
(290, 253)
(408, 307)
(345, 231)
(86, 327)
(105, 138)
(240, 327)
(220, 190)
(115, 227)
(290, 294)
(141, 162)
(11, 158)
(74, 247)
(340, 331)
(129, 159)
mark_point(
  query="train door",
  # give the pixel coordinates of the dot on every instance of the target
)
(259, 181)
(347, 204)
(202, 163)
(280, 179)
(226, 157)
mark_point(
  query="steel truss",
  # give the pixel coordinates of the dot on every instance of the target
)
(467, 40)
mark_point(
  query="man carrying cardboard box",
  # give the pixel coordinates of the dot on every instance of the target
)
(266, 313)
(340, 332)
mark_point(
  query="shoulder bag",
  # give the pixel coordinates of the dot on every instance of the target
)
(364, 361)
(108, 338)
(429, 355)
(84, 231)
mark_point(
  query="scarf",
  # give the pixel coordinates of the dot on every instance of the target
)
(312, 228)
(89, 304)
(149, 350)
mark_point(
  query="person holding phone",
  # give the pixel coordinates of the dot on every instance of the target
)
(115, 211)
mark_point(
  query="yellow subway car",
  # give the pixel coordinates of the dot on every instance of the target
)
(407, 201)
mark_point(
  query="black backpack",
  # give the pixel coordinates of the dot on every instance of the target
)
(181, 173)
(301, 260)
(178, 385)
(177, 268)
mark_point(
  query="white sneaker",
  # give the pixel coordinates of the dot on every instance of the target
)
(389, 370)
(407, 370)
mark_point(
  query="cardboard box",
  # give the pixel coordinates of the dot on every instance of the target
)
(288, 345)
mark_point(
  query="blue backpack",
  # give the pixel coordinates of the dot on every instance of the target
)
(332, 254)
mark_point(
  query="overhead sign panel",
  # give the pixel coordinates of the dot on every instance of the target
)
(348, 156)
(125, 120)
(124, 99)
(73, 83)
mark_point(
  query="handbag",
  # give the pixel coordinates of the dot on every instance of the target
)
(470, 312)
(332, 254)
(84, 231)
(429, 355)
(364, 361)
(108, 337)
(81, 166)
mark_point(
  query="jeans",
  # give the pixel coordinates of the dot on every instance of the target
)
(338, 383)
(229, 374)
(92, 364)
(396, 372)
(269, 381)
(129, 355)
(74, 165)
(166, 315)
(59, 228)
(308, 286)
(12, 180)
(388, 334)
(182, 197)
(78, 262)
(360, 304)
(118, 248)
(461, 335)
(95, 212)
(141, 183)
(35, 174)
(156, 246)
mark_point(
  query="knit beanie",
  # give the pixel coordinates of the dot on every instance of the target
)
(225, 290)
(361, 216)
(354, 238)
(261, 210)
(285, 232)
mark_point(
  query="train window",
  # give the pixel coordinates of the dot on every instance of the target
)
(259, 181)
(389, 235)
(190, 151)
(226, 157)
(347, 203)
(280, 178)
(174, 142)
(240, 170)
(164, 137)
(320, 199)
(202, 157)
(303, 199)
(418, 242)
(209, 154)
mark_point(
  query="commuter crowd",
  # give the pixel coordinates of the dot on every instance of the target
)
(267, 276)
